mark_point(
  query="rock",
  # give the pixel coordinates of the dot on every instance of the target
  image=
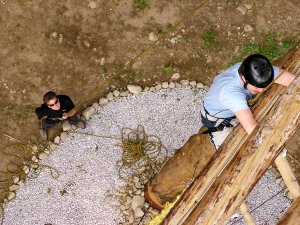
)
(138, 185)
(87, 44)
(175, 76)
(164, 84)
(42, 156)
(14, 187)
(11, 196)
(57, 140)
(138, 213)
(134, 89)
(102, 61)
(116, 93)
(248, 6)
(123, 207)
(107, 199)
(130, 218)
(138, 192)
(173, 40)
(206, 88)
(34, 165)
(137, 201)
(26, 169)
(34, 158)
(34, 148)
(110, 96)
(193, 83)
(124, 93)
(171, 85)
(95, 105)
(152, 89)
(52, 146)
(200, 85)
(157, 87)
(142, 169)
(21, 183)
(103, 101)
(242, 9)
(146, 88)
(54, 34)
(248, 28)
(16, 179)
(152, 37)
(92, 5)
(178, 85)
(66, 126)
(63, 135)
(184, 82)
(88, 112)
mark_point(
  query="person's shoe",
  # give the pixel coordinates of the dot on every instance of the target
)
(81, 124)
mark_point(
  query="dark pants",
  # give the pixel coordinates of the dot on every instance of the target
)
(47, 123)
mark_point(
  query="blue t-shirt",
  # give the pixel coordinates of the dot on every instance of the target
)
(227, 94)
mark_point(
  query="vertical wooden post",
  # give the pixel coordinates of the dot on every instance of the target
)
(246, 214)
(288, 175)
(292, 216)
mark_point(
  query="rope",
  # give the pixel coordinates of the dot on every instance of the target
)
(139, 149)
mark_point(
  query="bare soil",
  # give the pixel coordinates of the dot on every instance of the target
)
(86, 49)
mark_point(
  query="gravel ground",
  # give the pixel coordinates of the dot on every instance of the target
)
(87, 164)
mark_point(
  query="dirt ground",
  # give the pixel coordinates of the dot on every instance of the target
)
(86, 49)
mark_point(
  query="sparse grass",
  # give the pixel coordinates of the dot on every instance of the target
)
(61, 10)
(168, 69)
(211, 40)
(170, 27)
(63, 192)
(271, 47)
(142, 5)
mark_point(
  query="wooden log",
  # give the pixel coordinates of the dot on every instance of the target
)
(246, 214)
(253, 159)
(292, 216)
(287, 174)
(229, 148)
(179, 171)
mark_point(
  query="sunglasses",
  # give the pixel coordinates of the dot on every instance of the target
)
(54, 103)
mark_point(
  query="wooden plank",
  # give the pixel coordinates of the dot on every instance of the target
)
(292, 216)
(228, 150)
(287, 174)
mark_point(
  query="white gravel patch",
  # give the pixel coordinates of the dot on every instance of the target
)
(87, 164)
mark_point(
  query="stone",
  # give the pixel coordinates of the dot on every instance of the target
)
(116, 93)
(11, 196)
(63, 135)
(134, 89)
(171, 85)
(34, 158)
(87, 44)
(184, 82)
(157, 87)
(130, 218)
(138, 185)
(16, 179)
(173, 40)
(138, 192)
(110, 96)
(57, 140)
(138, 213)
(26, 169)
(92, 5)
(14, 187)
(102, 61)
(137, 201)
(54, 34)
(123, 207)
(95, 105)
(152, 89)
(146, 88)
(52, 146)
(107, 199)
(34, 148)
(206, 88)
(88, 112)
(175, 76)
(66, 126)
(248, 6)
(21, 183)
(43, 155)
(34, 165)
(164, 84)
(193, 83)
(200, 85)
(136, 179)
(153, 37)
(103, 101)
(248, 28)
(242, 10)
(124, 93)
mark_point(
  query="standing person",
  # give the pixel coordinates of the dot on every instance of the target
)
(55, 109)
(226, 102)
